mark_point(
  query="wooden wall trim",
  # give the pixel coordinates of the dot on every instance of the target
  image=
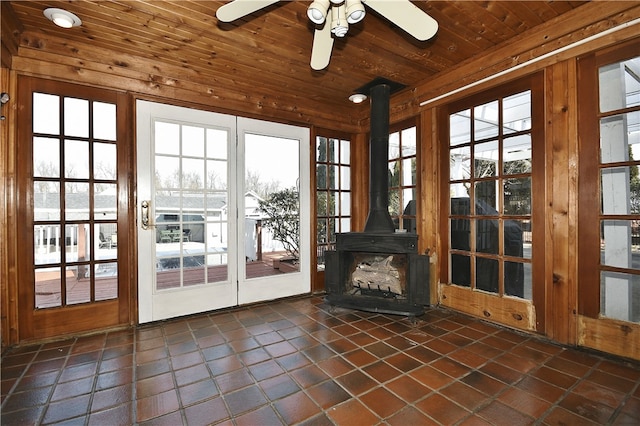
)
(8, 213)
(10, 28)
(509, 311)
(611, 336)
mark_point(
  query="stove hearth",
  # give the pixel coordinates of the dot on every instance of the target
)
(378, 270)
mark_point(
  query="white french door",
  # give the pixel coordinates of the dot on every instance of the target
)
(202, 243)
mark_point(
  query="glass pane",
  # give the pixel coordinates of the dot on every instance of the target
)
(619, 86)
(487, 236)
(345, 225)
(76, 199)
(78, 280)
(78, 242)
(46, 114)
(619, 189)
(321, 149)
(194, 270)
(216, 175)
(104, 161)
(394, 173)
(485, 159)
(487, 274)
(46, 201)
(104, 121)
(46, 157)
(460, 232)
(322, 203)
(333, 177)
(76, 117)
(193, 141)
(485, 120)
(335, 154)
(517, 279)
(167, 272)
(517, 196)
(167, 173)
(486, 200)
(217, 144)
(334, 203)
(167, 138)
(394, 202)
(617, 244)
(409, 172)
(105, 203)
(515, 237)
(345, 152)
(620, 138)
(76, 159)
(107, 241)
(394, 146)
(460, 163)
(460, 270)
(345, 204)
(516, 155)
(460, 206)
(460, 128)
(106, 281)
(192, 173)
(620, 296)
(280, 208)
(47, 241)
(345, 177)
(409, 142)
(48, 288)
(516, 110)
(321, 231)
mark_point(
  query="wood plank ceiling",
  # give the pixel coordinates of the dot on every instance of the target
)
(264, 58)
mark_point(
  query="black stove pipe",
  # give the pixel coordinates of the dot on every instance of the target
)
(379, 219)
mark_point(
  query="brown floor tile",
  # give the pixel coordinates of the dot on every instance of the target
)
(156, 405)
(206, 412)
(262, 416)
(296, 408)
(408, 389)
(120, 415)
(328, 394)
(442, 409)
(244, 400)
(352, 412)
(67, 409)
(410, 416)
(592, 410)
(309, 376)
(382, 402)
(279, 387)
(483, 383)
(524, 402)
(555, 377)
(356, 382)
(464, 395)
(599, 393)
(198, 392)
(381, 371)
(232, 381)
(561, 417)
(498, 413)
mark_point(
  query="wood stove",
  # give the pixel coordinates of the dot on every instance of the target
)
(378, 270)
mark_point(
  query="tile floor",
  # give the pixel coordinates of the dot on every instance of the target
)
(297, 362)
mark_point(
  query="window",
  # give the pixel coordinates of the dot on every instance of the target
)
(402, 178)
(75, 200)
(490, 194)
(333, 192)
(619, 184)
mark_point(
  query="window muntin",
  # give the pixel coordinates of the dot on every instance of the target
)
(490, 181)
(74, 209)
(619, 175)
(333, 193)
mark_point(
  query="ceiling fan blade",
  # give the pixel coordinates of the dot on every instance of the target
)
(239, 8)
(322, 45)
(407, 16)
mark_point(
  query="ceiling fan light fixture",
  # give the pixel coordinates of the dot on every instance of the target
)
(317, 11)
(339, 24)
(62, 18)
(355, 11)
(358, 98)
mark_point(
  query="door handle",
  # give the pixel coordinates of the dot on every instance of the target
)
(144, 207)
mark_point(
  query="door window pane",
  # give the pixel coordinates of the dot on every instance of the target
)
(46, 157)
(105, 127)
(76, 117)
(46, 113)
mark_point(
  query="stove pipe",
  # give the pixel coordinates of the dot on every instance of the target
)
(379, 219)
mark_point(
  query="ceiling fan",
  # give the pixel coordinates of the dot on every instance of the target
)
(332, 19)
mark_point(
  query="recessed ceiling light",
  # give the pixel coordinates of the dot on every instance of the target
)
(357, 98)
(62, 18)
